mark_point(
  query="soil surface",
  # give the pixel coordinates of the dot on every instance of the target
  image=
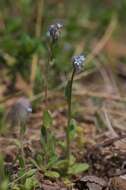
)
(101, 136)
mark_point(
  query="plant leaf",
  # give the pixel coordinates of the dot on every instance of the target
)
(30, 183)
(52, 161)
(51, 145)
(78, 168)
(61, 164)
(52, 174)
(72, 159)
(47, 119)
(43, 138)
(72, 128)
(21, 162)
(31, 172)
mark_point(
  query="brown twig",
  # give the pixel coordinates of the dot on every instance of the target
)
(109, 125)
(109, 142)
(91, 110)
(100, 95)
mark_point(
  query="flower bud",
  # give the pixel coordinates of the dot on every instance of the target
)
(78, 61)
(54, 31)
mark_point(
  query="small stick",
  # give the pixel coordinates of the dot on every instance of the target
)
(109, 142)
(114, 134)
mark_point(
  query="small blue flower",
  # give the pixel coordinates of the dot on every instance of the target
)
(78, 61)
(54, 31)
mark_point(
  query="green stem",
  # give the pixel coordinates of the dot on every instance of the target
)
(46, 73)
(50, 58)
(21, 142)
(69, 119)
(45, 156)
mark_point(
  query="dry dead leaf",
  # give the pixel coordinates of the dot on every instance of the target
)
(118, 183)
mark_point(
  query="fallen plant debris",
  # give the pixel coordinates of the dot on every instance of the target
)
(118, 183)
(91, 182)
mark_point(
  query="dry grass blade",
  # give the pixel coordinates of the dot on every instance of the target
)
(101, 44)
(35, 58)
(108, 122)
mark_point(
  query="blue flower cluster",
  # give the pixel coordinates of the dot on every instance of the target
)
(54, 31)
(78, 61)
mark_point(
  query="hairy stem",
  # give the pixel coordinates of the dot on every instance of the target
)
(50, 58)
(69, 119)
(21, 142)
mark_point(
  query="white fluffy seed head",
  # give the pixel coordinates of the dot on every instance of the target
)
(19, 112)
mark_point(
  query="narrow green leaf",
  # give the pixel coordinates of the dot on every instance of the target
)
(52, 161)
(78, 168)
(30, 183)
(72, 159)
(21, 162)
(72, 129)
(43, 138)
(39, 158)
(61, 164)
(31, 172)
(23, 174)
(52, 174)
(51, 144)
(47, 119)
